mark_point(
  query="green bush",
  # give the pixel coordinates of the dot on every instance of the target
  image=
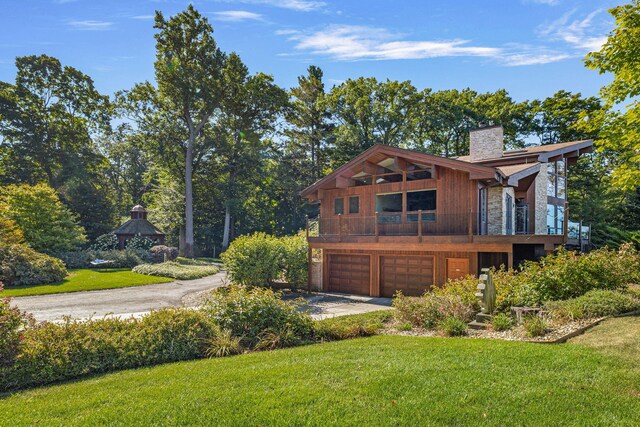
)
(535, 326)
(119, 259)
(347, 327)
(162, 253)
(51, 352)
(296, 260)
(12, 321)
(593, 304)
(453, 327)
(48, 226)
(429, 310)
(176, 270)
(20, 265)
(465, 288)
(106, 242)
(249, 313)
(223, 344)
(254, 260)
(501, 322)
(139, 243)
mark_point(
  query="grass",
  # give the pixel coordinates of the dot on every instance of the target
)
(178, 270)
(382, 380)
(87, 280)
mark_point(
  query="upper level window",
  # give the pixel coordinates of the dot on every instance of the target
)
(389, 202)
(557, 180)
(338, 206)
(421, 200)
(389, 177)
(417, 174)
(354, 204)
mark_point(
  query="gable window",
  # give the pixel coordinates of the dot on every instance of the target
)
(354, 204)
(418, 174)
(338, 206)
(421, 200)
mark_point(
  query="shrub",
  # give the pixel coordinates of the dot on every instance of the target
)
(347, 327)
(254, 260)
(429, 310)
(535, 326)
(12, 321)
(161, 253)
(465, 288)
(20, 265)
(296, 260)
(501, 322)
(595, 303)
(251, 312)
(223, 344)
(404, 326)
(119, 259)
(106, 242)
(52, 352)
(453, 327)
(10, 234)
(139, 243)
(48, 226)
(176, 270)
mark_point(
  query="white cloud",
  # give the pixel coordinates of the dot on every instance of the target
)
(583, 34)
(237, 15)
(143, 17)
(547, 2)
(353, 43)
(90, 25)
(298, 5)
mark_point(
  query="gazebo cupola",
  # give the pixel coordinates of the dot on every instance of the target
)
(138, 212)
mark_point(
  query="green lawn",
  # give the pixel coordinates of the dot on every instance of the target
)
(383, 380)
(88, 280)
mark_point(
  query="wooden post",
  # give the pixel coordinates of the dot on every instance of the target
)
(565, 225)
(309, 268)
(339, 227)
(306, 218)
(420, 225)
(470, 226)
(375, 225)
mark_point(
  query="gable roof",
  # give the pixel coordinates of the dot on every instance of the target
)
(379, 152)
(514, 173)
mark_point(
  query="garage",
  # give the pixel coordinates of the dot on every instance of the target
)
(413, 275)
(349, 274)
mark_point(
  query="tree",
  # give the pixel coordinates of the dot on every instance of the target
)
(248, 109)
(188, 69)
(310, 133)
(48, 226)
(619, 126)
(47, 118)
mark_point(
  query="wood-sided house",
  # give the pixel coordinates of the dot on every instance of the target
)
(396, 219)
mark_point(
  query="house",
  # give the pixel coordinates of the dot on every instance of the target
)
(138, 226)
(393, 219)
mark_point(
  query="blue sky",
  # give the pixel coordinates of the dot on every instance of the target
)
(532, 48)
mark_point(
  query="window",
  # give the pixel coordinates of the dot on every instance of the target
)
(555, 219)
(557, 181)
(354, 204)
(509, 214)
(418, 174)
(421, 200)
(338, 206)
(389, 202)
(389, 177)
(359, 181)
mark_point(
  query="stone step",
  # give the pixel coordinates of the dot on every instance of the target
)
(478, 325)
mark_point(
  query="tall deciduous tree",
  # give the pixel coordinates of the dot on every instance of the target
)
(620, 126)
(188, 69)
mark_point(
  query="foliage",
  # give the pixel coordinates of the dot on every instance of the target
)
(249, 313)
(296, 259)
(12, 321)
(176, 270)
(354, 326)
(223, 344)
(20, 265)
(596, 303)
(118, 259)
(162, 253)
(52, 352)
(106, 242)
(10, 234)
(465, 288)
(429, 310)
(139, 243)
(453, 327)
(254, 260)
(501, 322)
(535, 326)
(47, 225)
(88, 280)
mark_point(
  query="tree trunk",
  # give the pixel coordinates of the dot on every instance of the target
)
(188, 199)
(227, 227)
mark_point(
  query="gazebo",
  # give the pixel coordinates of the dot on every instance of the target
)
(139, 226)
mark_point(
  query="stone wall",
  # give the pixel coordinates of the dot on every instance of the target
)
(541, 201)
(497, 205)
(486, 143)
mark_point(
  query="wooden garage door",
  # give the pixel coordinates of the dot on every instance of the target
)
(349, 274)
(413, 275)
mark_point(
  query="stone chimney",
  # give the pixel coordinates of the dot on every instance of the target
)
(486, 142)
